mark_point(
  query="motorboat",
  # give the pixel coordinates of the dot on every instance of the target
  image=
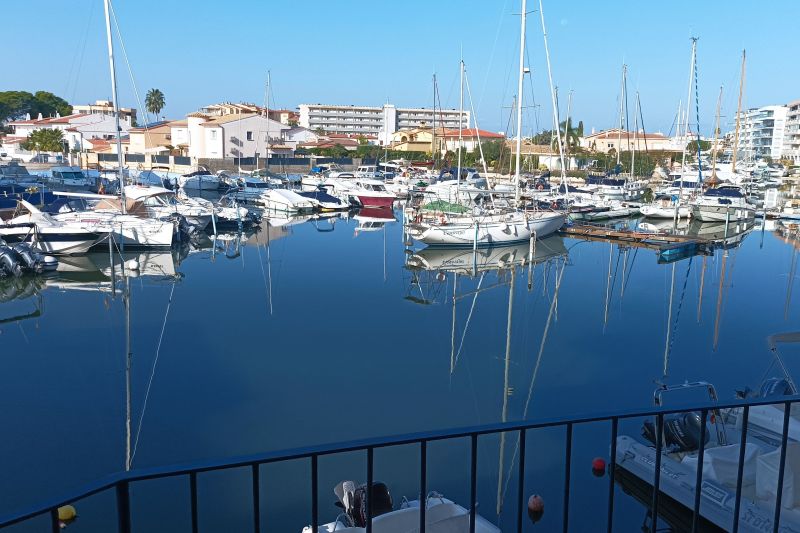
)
(13, 173)
(360, 191)
(722, 204)
(666, 206)
(69, 177)
(612, 209)
(46, 234)
(199, 180)
(134, 228)
(616, 188)
(441, 515)
(484, 229)
(324, 200)
(160, 202)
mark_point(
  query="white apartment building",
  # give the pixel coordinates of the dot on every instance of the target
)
(791, 135)
(761, 132)
(379, 121)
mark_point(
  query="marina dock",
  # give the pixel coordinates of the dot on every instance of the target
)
(668, 246)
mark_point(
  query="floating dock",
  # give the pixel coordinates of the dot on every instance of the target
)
(669, 247)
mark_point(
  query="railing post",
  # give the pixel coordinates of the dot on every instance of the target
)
(370, 466)
(521, 479)
(698, 482)
(787, 408)
(567, 472)
(740, 472)
(314, 494)
(473, 482)
(423, 484)
(123, 508)
(55, 523)
(193, 500)
(657, 474)
(612, 464)
(256, 498)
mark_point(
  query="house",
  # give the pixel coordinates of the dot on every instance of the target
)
(421, 139)
(618, 140)
(155, 138)
(232, 134)
(470, 138)
(77, 129)
(413, 140)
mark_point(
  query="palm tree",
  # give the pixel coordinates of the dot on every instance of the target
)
(154, 101)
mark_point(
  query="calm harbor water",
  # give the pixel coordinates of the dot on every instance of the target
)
(318, 331)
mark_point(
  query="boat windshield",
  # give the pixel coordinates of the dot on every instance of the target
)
(159, 200)
(70, 175)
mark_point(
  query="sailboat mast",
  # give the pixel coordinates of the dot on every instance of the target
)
(460, 116)
(521, 73)
(567, 126)
(266, 106)
(635, 136)
(738, 114)
(688, 99)
(621, 113)
(433, 124)
(716, 137)
(552, 95)
(115, 104)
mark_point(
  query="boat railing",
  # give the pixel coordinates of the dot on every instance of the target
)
(120, 483)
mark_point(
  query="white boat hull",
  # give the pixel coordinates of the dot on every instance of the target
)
(652, 211)
(199, 183)
(53, 240)
(487, 231)
(722, 213)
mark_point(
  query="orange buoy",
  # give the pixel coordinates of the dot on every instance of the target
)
(598, 466)
(535, 508)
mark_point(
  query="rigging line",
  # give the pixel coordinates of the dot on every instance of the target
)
(152, 374)
(630, 268)
(469, 316)
(79, 55)
(475, 119)
(491, 55)
(680, 304)
(130, 73)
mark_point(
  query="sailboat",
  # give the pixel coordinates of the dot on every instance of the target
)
(482, 225)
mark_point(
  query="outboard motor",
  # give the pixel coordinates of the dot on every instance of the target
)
(681, 432)
(353, 499)
(10, 262)
(30, 259)
(775, 387)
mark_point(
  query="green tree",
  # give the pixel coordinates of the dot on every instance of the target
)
(49, 104)
(45, 140)
(319, 130)
(154, 101)
(692, 146)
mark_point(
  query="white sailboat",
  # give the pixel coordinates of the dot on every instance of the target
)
(46, 233)
(488, 226)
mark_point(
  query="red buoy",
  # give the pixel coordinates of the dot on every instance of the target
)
(598, 466)
(535, 508)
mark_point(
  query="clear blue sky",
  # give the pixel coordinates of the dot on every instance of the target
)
(366, 51)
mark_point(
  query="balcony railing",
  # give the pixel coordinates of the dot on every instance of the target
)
(121, 483)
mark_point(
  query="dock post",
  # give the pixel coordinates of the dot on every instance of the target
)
(727, 221)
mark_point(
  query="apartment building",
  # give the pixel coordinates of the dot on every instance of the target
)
(791, 134)
(381, 122)
(761, 132)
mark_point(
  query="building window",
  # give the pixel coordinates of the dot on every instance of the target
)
(213, 135)
(249, 135)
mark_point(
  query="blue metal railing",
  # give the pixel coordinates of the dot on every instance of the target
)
(121, 482)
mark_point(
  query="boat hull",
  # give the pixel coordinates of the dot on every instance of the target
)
(721, 213)
(651, 211)
(199, 183)
(74, 242)
(375, 201)
(495, 230)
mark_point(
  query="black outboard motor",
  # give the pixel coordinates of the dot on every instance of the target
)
(30, 259)
(353, 499)
(681, 432)
(10, 262)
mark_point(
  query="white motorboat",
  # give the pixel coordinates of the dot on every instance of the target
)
(160, 202)
(725, 203)
(666, 206)
(285, 201)
(615, 209)
(132, 229)
(360, 191)
(47, 234)
(324, 200)
(484, 229)
(199, 180)
(228, 212)
(69, 177)
(441, 515)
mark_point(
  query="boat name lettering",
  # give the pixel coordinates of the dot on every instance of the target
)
(664, 469)
(713, 492)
